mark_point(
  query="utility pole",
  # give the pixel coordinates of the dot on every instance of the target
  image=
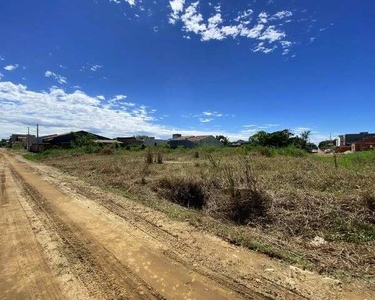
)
(334, 152)
(37, 136)
(28, 139)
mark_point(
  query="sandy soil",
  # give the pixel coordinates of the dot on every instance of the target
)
(64, 239)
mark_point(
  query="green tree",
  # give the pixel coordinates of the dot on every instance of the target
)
(306, 135)
(328, 144)
(277, 139)
(223, 139)
(280, 138)
(84, 141)
(3, 143)
(259, 139)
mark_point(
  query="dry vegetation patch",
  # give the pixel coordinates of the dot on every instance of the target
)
(278, 205)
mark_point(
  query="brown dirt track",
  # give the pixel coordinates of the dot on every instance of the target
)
(63, 239)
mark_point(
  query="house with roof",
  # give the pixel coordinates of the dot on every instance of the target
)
(21, 140)
(194, 141)
(350, 138)
(239, 143)
(64, 140)
(364, 144)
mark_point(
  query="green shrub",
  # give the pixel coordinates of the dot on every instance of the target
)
(291, 151)
(265, 151)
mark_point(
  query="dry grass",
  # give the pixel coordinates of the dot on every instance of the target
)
(275, 204)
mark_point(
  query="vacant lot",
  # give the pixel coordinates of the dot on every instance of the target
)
(289, 205)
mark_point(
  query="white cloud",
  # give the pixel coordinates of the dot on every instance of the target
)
(100, 97)
(11, 67)
(193, 20)
(263, 17)
(281, 15)
(286, 46)
(60, 79)
(94, 68)
(272, 35)
(252, 33)
(130, 2)
(177, 7)
(212, 22)
(2, 57)
(261, 48)
(119, 97)
(245, 16)
(255, 128)
(62, 111)
(212, 113)
(205, 120)
(58, 111)
(216, 28)
(205, 116)
(116, 102)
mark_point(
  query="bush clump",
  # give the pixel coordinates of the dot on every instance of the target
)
(227, 191)
(184, 191)
(236, 195)
(249, 205)
(245, 206)
(149, 157)
(369, 200)
(159, 157)
(107, 151)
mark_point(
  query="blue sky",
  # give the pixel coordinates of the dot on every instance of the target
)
(126, 67)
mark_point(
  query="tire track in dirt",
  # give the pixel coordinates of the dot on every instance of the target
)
(24, 273)
(233, 266)
(3, 193)
(108, 276)
(179, 247)
(97, 268)
(247, 274)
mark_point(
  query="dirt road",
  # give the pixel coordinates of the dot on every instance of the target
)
(63, 239)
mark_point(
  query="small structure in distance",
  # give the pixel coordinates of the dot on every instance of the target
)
(194, 141)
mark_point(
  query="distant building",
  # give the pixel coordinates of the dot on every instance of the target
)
(130, 141)
(239, 143)
(154, 142)
(39, 145)
(21, 140)
(364, 144)
(62, 140)
(349, 139)
(67, 139)
(195, 141)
